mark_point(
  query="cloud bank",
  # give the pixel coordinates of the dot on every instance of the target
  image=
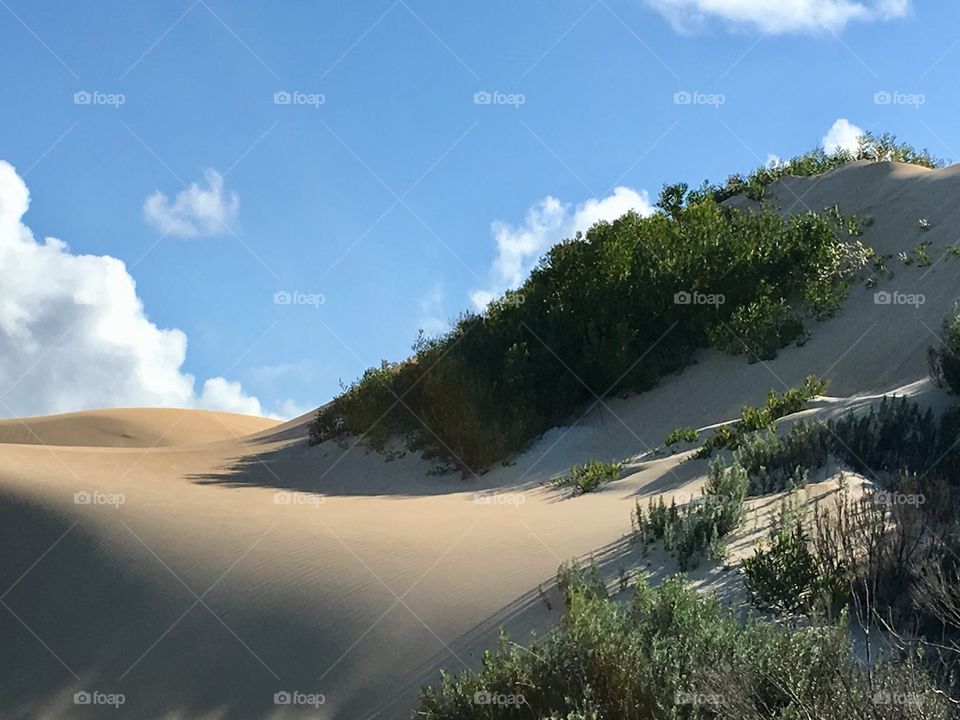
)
(195, 211)
(547, 223)
(74, 335)
(777, 17)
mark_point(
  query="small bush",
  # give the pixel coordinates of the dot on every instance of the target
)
(775, 463)
(695, 531)
(591, 475)
(684, 434)
(788, 576)
(778, 405)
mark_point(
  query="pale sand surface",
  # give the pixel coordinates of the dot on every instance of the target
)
(206, 592)
(132, 427)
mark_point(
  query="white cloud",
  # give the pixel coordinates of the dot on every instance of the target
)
(432, 320)
(74, 334)
(547, 223)
(842, 135)
(196, 211)
(779, 16)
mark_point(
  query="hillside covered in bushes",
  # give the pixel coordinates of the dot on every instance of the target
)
(612, 311)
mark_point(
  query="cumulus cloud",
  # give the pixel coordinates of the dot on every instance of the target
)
(842, 135)
(195, 211)
(547, 223)
(779, 16)
(74, 333)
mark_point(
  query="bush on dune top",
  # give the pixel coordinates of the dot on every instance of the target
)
(611, 312)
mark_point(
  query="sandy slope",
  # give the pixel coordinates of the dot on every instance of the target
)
(235, 569)
(132, 427)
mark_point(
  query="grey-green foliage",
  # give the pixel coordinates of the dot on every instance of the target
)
(695, 531)
(672, 654)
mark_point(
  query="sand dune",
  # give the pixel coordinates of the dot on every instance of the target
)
(202, 576)
(132, 427)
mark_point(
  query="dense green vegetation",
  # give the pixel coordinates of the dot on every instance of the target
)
(672, 654)
(894, 437)
(605, 313)
(614, 310)
(875, 148)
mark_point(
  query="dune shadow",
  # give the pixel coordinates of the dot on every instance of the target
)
(334, 469)
(72, 620)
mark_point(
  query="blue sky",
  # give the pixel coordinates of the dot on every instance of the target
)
(383, 187)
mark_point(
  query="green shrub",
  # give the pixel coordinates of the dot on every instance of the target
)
(775, 463)
(784, 575)
(787, 575)
(945, 361)
(591, 475)
(684, 434)
(695, 531)
(759, 328)
(777, 405)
